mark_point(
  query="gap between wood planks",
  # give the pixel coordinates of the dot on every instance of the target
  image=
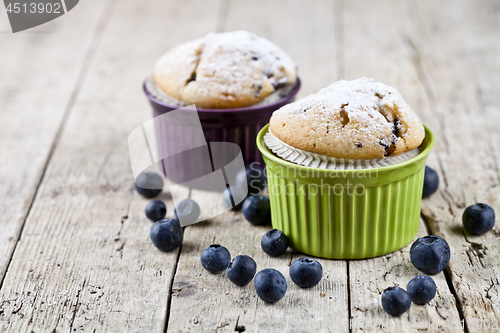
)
(220, 25)
(449, 194)
(448, 276)
(339, 37)
(424, 82)
(171, 282)
(81, 78)
(222, 14)
(82, 75)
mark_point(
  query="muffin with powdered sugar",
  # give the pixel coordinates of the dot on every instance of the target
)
(345, 170)
(358, 119)
(224, 70)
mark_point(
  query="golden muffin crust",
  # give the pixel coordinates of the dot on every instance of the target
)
(224, 70)
(358, 119)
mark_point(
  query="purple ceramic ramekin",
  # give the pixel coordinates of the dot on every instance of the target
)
(238, 125)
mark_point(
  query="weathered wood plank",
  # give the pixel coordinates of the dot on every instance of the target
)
(82, 265)
(203, 301)
(210, 302)
(369, 278)
(458, 47)
(85, 261)
(382, 53)
(37, 86)
(304, 29)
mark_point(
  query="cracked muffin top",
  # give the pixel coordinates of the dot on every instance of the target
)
(358, 119)
(224, 70)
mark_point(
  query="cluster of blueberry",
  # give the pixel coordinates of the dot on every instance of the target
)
(256, 208)
(165, 234)
(269, 283)
(431, 254)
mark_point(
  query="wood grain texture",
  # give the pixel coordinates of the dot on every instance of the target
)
(310, 42)
(458, 53)
(210, 302)
(369, 278)
(203, 301)
(382, 53)
(37, 87)
(85, 261)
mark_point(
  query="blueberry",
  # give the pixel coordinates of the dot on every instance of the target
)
(253, 177)
(479, 218)
(187, 211)
(257, 210)
(274, 242)
(395, 301)
(215, 258)
(241, 270)
(149, 184)
(166, 234)
(430, 254)
(270, 285)
(421, 289)
(306, 272)
(431, 182)
(156, 210)
(237, 194)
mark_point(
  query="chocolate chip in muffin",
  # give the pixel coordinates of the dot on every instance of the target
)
(257, 87)
(301, 110)
(389, 148)
(280, 84)
(376, 123)
(395, 128)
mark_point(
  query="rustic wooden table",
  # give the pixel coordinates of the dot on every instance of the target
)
(75, 253)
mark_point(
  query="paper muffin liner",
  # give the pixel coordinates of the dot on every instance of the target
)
(159, 94)
(318, 161)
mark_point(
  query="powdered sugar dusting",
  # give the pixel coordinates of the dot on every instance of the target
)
(361, 99)
(229, 68)
(226, 55)
(358, 119)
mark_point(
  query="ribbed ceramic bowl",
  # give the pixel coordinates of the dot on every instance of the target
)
(346, 214)
(237, 125)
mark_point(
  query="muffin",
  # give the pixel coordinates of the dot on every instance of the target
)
(358, 119)
(236, 80)
(349, 210)
(225, 70)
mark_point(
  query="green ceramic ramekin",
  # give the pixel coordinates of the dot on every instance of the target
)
(346, 214)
